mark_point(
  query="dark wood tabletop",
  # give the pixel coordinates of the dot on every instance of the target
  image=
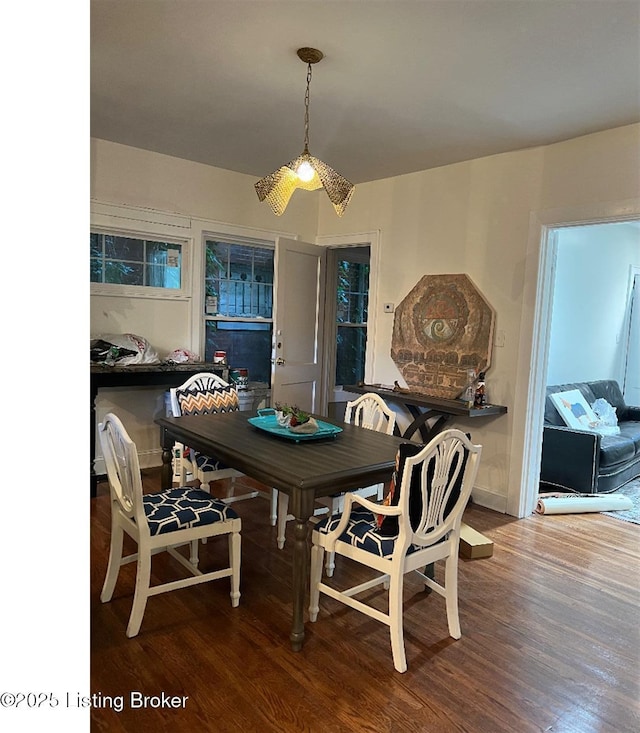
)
(354, 458)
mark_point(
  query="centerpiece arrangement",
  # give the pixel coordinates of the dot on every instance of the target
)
(295, 419)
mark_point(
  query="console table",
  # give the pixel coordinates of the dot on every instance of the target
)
(423, 408)
(140, 375)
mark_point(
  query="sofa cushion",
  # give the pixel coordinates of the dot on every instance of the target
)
(616, 449)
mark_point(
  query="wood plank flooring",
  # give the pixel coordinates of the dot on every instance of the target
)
(550, 642)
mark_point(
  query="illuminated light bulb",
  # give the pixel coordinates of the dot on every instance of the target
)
(305, 171)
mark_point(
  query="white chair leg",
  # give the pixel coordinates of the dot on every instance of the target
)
(283, 511)
(395, 625)
(451, 594)
(141, 593)
(193, 558)
(317, 557)
(234, 562)
(113, 566)
(273, 515)
(331, 564)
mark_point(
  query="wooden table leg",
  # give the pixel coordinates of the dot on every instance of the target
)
(301, 559)
(301, 504)
(166, 472)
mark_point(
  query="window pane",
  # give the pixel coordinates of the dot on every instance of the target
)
(122, 273)
(353, 289)
(96, 270)
(248, 346)
(239, 280)
(163, 269)
(95, 245)
(351, 349)
(130, 261)
(124, 248)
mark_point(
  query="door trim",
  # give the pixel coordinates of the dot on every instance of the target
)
(533, 353)
(363, 239)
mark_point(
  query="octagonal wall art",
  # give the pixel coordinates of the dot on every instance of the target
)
(442, 328)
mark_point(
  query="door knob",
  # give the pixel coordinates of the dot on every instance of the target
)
(279, 361)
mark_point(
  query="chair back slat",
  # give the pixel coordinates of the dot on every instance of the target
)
(123, 467)
(436, 486)
(371, 411)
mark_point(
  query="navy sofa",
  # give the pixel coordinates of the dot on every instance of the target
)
(585, 461)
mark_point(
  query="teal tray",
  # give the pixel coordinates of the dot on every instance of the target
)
(268, 422)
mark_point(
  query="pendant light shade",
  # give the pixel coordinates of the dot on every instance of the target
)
(306, 171)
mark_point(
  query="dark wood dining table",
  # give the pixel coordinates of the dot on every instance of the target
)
(304, 470)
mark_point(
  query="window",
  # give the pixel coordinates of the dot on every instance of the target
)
(352, 304)
(123, 260)
(238, 307)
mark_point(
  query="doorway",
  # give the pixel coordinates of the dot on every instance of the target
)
(364, 249)
(543, 249)
(346, 315)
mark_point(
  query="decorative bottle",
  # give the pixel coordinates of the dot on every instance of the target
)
(470, 392)
(480, 396)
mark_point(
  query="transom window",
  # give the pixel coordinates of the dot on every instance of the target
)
(122, 260)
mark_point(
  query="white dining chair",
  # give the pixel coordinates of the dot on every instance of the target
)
(368, 411)
(158, 522)
(418, 525)
(207, 394)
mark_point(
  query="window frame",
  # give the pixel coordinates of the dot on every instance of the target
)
(154, 226)
(228, 238)
(241, 242)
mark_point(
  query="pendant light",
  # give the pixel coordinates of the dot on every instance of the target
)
(305, 171)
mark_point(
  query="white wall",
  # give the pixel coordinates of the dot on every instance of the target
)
(186, 197)
(472, 217)
(590, 302)
(476, 217)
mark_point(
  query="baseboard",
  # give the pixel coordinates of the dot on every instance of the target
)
(489, 499)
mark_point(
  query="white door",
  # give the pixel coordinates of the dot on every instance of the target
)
(296, 369)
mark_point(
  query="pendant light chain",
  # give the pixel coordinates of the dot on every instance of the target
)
(306, 111)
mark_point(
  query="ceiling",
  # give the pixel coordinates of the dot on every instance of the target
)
(404, 85)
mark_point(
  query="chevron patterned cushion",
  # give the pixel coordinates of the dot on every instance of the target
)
(209, 401)
(219, 399)
(362, 531)
(183, 508)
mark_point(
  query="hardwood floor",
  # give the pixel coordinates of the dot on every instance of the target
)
(550, 640)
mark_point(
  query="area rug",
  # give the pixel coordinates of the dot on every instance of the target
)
(632, 490)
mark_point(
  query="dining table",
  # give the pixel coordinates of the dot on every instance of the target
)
(350, 457)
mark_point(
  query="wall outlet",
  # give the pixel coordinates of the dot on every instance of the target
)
(388, 307)
(499, 339)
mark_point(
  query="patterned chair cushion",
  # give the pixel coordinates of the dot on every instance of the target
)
(207, 463)
(183, 508)
(208, 401)
(363, 532)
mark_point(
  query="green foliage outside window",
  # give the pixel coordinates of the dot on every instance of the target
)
(351, 317)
